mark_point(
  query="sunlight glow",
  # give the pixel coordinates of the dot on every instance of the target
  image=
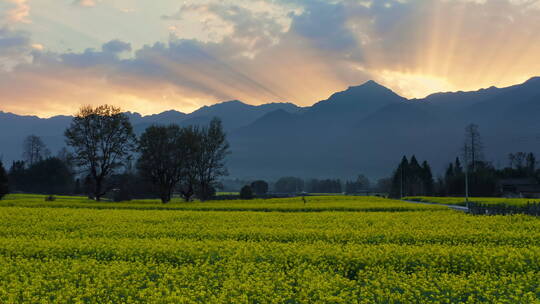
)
(415, 85)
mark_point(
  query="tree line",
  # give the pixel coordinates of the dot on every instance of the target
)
(468, 175)
(107, 157)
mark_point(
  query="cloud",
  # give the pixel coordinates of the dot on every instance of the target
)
(85, 3)
(116, 46)
(326, 25)
(15, 47)
(15, 11)
(299, 51)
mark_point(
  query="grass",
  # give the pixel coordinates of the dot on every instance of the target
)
(295, 204)
(460, 201)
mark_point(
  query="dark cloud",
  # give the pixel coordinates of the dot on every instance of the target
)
(13, 42)
(116, 46)
(326, 25)
(320, 47)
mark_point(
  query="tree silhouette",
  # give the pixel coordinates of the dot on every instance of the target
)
(473, 148)
(210, 163)
(4, 182)
(34, 150)
(162, 158)
(259, 187)
(103, 140)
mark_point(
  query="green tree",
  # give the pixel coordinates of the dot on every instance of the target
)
(191, 139)
(246, 192)
(49, 176)
(17, 176)
(103, 140)
(399, 179)
(427, 179)
(4, 182)
(259, 187)
(162, 157)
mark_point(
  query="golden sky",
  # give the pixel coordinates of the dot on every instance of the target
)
(58, 55)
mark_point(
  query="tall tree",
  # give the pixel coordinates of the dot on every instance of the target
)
(4, 182)
(427, 179)
(211, 159)
(17, 176)
(399, 179)
(192, 140)
(531, 164)
(458, 169)
(162, 157)
(103, 140)
(34, 150)
(414, 178)
(49, 176)
(472, 147)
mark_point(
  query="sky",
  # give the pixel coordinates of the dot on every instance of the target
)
(151, 56)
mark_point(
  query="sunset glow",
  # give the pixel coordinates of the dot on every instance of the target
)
(147, 57)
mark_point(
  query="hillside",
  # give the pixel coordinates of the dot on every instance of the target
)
(363, 129)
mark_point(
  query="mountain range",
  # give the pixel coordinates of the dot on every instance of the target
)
(364, 129)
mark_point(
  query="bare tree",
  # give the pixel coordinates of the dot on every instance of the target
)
(210, 164)
(103, 140)
(472, 147)
(34, 150)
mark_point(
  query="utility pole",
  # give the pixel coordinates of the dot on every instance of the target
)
(466, 159)
(401, 184)
(466, 183)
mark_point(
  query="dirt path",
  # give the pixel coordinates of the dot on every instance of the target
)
(455, 207)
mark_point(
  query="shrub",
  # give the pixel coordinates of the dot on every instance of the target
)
(260, 187)
(246, 192)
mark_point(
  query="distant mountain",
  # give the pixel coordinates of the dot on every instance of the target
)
(358, 101)
(363, 129)
(234, 114)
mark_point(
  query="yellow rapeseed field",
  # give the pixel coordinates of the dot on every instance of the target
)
(330, 250)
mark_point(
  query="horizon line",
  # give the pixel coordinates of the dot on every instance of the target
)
(284, 102)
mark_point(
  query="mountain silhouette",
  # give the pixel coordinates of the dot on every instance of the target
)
(363, 129)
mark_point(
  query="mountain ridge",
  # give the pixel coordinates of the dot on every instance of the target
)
(362, 129)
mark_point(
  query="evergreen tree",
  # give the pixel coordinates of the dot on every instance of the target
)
(531, 164)
(4, 182)
(427, 178)
(414, 178)
(458, 169)
(399, 179)
(450, 173)
(18, 176)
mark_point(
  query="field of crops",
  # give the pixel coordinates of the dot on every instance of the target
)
(295, 204)
(460, 201)
(75, 251)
